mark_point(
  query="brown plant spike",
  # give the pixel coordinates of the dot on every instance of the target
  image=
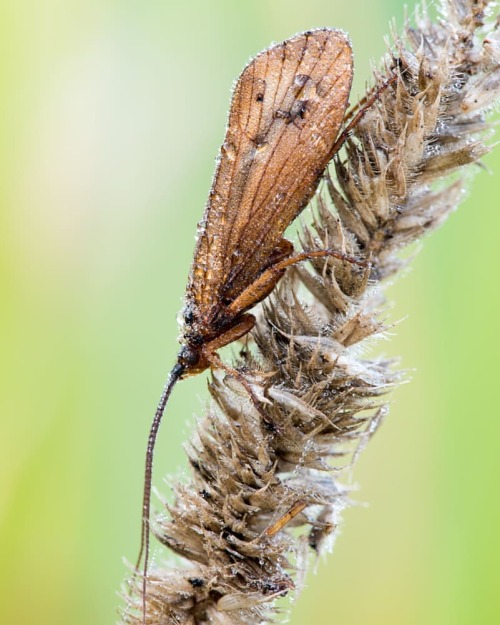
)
(303, 397)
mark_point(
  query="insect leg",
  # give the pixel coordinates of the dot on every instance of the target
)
(362, 107)
(265, 283)
(258, 290)
(303, 256)
(215, 361)
(245, 324)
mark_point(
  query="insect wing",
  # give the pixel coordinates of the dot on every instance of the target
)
(287, 108)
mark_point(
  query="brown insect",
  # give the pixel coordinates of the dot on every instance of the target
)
(287, 108)
(289, 515)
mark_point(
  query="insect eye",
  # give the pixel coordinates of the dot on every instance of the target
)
(188, 317)
(189, 357)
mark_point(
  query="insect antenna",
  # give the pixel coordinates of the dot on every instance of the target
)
(174, 376)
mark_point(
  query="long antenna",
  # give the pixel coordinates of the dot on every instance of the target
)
(174, 376)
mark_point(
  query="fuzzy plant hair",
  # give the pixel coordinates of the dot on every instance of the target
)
(262, 493)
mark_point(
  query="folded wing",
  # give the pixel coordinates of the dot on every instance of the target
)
(286, 111)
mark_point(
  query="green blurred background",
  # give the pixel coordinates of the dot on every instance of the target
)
(111, 116)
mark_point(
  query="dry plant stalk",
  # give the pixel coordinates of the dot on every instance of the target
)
(255, 478)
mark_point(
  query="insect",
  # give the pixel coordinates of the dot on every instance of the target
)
(296, 509)
(286, 112)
